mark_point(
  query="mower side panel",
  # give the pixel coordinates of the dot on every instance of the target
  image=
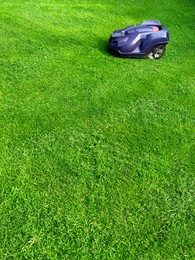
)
(152, 40)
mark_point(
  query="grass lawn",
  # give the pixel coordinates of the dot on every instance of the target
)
(96, 152)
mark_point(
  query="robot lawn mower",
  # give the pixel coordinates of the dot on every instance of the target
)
(149, 39)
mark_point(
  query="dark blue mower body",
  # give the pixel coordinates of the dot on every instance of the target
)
(149, 39)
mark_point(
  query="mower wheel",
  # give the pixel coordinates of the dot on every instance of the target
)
(157, 52)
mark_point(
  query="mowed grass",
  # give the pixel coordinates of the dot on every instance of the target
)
(97, 152)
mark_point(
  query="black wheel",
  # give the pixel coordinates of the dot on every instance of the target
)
(157, 52)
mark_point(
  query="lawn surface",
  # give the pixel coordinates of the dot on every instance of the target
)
(96, 152)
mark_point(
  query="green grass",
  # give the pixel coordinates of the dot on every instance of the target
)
(96, 152)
